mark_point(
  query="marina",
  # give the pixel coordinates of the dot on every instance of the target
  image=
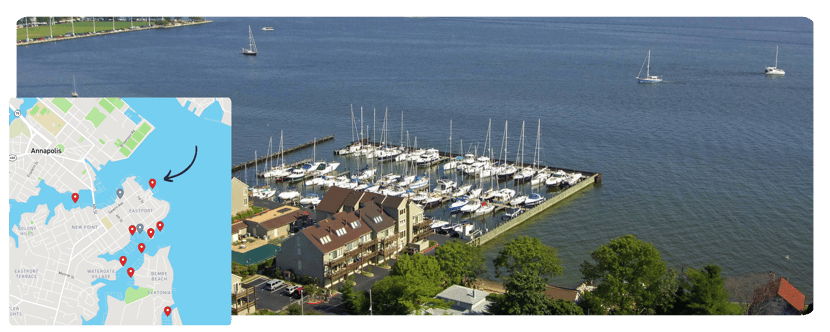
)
(695, 163)
(261, 160)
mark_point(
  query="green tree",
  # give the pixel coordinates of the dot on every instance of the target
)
(526, 265)
(527, 254)
(355, 303)
(563, 307)
(627, 270)
(707, 294)
(410, 287)
(525, 295)
(294, 309)
(462, 263)
(669, 299)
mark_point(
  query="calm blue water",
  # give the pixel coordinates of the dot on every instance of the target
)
(715, 165)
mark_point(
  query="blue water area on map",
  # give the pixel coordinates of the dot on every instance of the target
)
(133, 116)
(213, 112)
(193, 217)
(51, 198)
(27, 104)
(167, 320)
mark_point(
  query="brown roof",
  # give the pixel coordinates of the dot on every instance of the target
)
(271, 214)
(392, 201)
(360, 197)
(333, 200)
(283, 220)
(790, 294)
(557, 293)
(235, 228)
(328, 227)
(370, 211)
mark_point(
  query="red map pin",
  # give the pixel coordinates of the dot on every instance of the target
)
(75, 197)
(132, 229)
(123, 260)
(167, 311)
(130, 271)
(152, 183)
(150, 232)
(159, 225)
(141, 247)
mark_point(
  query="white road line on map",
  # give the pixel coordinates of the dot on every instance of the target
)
(30, 302)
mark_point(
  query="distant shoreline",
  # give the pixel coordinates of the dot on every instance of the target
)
(109, 32)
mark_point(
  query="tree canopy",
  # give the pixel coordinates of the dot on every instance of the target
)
(627, 270)
(461, 263)
(410, 287)
(706, 292)
(528, 255)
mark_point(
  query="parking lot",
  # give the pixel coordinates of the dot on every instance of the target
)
(272, 300)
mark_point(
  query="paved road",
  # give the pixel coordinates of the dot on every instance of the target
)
(271, 300)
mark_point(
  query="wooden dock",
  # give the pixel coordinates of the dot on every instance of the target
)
(260, 160)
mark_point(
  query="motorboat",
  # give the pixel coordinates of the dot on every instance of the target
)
(519, 200)
(310, 199)
(289, 194)
(535, 199)
(457, 205)
(471, 206)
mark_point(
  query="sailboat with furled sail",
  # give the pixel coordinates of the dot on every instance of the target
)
(251, 50)
(648, 78)
(774, 70)
(74, 88)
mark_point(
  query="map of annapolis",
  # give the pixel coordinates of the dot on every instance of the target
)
(111, 204)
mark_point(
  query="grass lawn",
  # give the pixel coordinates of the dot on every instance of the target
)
(80, 27)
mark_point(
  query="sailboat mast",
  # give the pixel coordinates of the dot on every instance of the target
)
(649, 64)
(776, 56)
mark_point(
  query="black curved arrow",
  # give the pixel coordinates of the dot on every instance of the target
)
(169, 178)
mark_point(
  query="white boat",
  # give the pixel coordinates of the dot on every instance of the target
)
(310, 199)
(506, 194)
(420, 182)
(534, 199)
(573, 178)
(554, 181)
(330, 167)
(251, 50)
(366, 173)
(438, 224)
(485, 209)
(518, 200)
(267, 29)
(774, 70)
(445, 184)
(463, 190)
(648, 78)
(75, 88)
(506, 172)
(394, 191)
(373, 189)
(362, 186)
(431, 201)
(471, 206)
(540, 177)
(474, 193)
(457, 205)
(420, 197)
(289, 194)
(406, 180)
(524, 175)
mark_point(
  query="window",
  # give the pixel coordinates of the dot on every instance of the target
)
(351, 246)
(355, 224)
(377, 219)
(325, 239)
(341, 231)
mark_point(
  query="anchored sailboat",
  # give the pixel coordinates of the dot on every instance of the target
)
(774, 70)
(74, 87)
(648, 78)
(251, 50)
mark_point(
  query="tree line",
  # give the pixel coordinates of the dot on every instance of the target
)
(629, 275)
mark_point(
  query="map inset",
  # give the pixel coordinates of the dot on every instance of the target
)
(114, 205)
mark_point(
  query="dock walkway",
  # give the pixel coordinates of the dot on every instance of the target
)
(260, 160)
